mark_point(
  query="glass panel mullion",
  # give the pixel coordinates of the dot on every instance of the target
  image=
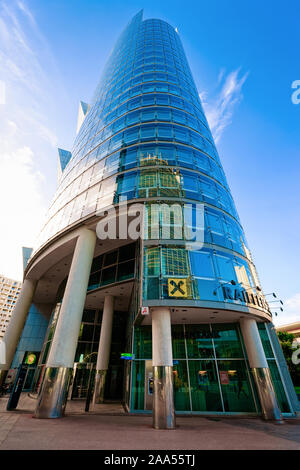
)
(217, 368)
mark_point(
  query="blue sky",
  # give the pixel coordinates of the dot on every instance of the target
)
(244, 57)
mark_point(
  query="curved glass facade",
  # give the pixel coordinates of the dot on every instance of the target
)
(145, 137)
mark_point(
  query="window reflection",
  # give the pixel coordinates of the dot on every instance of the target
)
(226, 341)
(205, 392)
(200, 384)
(235, 384)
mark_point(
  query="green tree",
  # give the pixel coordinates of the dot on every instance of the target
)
(286, 341)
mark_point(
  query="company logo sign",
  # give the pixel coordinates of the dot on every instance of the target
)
(236, 293)
(177, 288)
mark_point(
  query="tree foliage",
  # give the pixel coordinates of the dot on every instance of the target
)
(286, 341)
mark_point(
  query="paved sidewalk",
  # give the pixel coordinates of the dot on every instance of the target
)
(131, 432)
(27, 404)
(7, 422)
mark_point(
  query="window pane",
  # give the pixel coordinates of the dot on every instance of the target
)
(178, 342)
(125, 270)
(148, 115)
(205, 390)
(127, 252)
(174, 262)
(279, 390)
(202, 264)
(148, 132)
(133, 118)
(198, 341)
(131, 135)
(138, 385)
(163, 114)
(164, 132)
(181, 386)
(185, 157)
(86, 332)
(108, 275)
(226, 340)
(152, 262)
(225, 268)
(162, 99)
(142, 346)
(181, 134)
(265, 340)
(110, 258)
(236, 389)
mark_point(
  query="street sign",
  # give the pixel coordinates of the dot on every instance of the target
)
(145, 310)
(177, 288)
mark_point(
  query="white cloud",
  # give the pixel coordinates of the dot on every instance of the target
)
(27, 68)
(22, 207)
(291, 311)
(219, 109)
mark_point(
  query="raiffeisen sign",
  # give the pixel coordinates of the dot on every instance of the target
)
(236, 293)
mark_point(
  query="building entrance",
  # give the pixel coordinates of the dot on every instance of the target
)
(82, 374)
(114, 384)
(29, 379)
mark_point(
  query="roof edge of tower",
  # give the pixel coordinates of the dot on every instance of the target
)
(63, 158)
(83, 109)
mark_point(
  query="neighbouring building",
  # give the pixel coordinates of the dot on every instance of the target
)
(9, 291)
(175, 320)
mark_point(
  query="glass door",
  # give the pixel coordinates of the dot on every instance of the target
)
(81, 377)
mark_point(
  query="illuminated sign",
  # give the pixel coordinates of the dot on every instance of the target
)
(127, 356)
(177, 288)
(31, 358)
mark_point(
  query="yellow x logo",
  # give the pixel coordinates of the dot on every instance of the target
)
(177, 288)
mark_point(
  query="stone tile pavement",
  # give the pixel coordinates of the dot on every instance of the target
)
(114, 430)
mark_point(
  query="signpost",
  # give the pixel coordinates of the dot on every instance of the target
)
(17, 388)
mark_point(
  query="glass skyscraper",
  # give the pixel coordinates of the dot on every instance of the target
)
(165, 323)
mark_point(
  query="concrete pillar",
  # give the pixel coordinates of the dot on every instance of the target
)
(16, 324)
(104, 349)
(260, 370)
(163, 400)
(53, 393)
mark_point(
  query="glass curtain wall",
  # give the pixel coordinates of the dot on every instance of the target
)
(87, 346)
(274, 369)
(146, 138)
(114, 266)
(210, 368)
